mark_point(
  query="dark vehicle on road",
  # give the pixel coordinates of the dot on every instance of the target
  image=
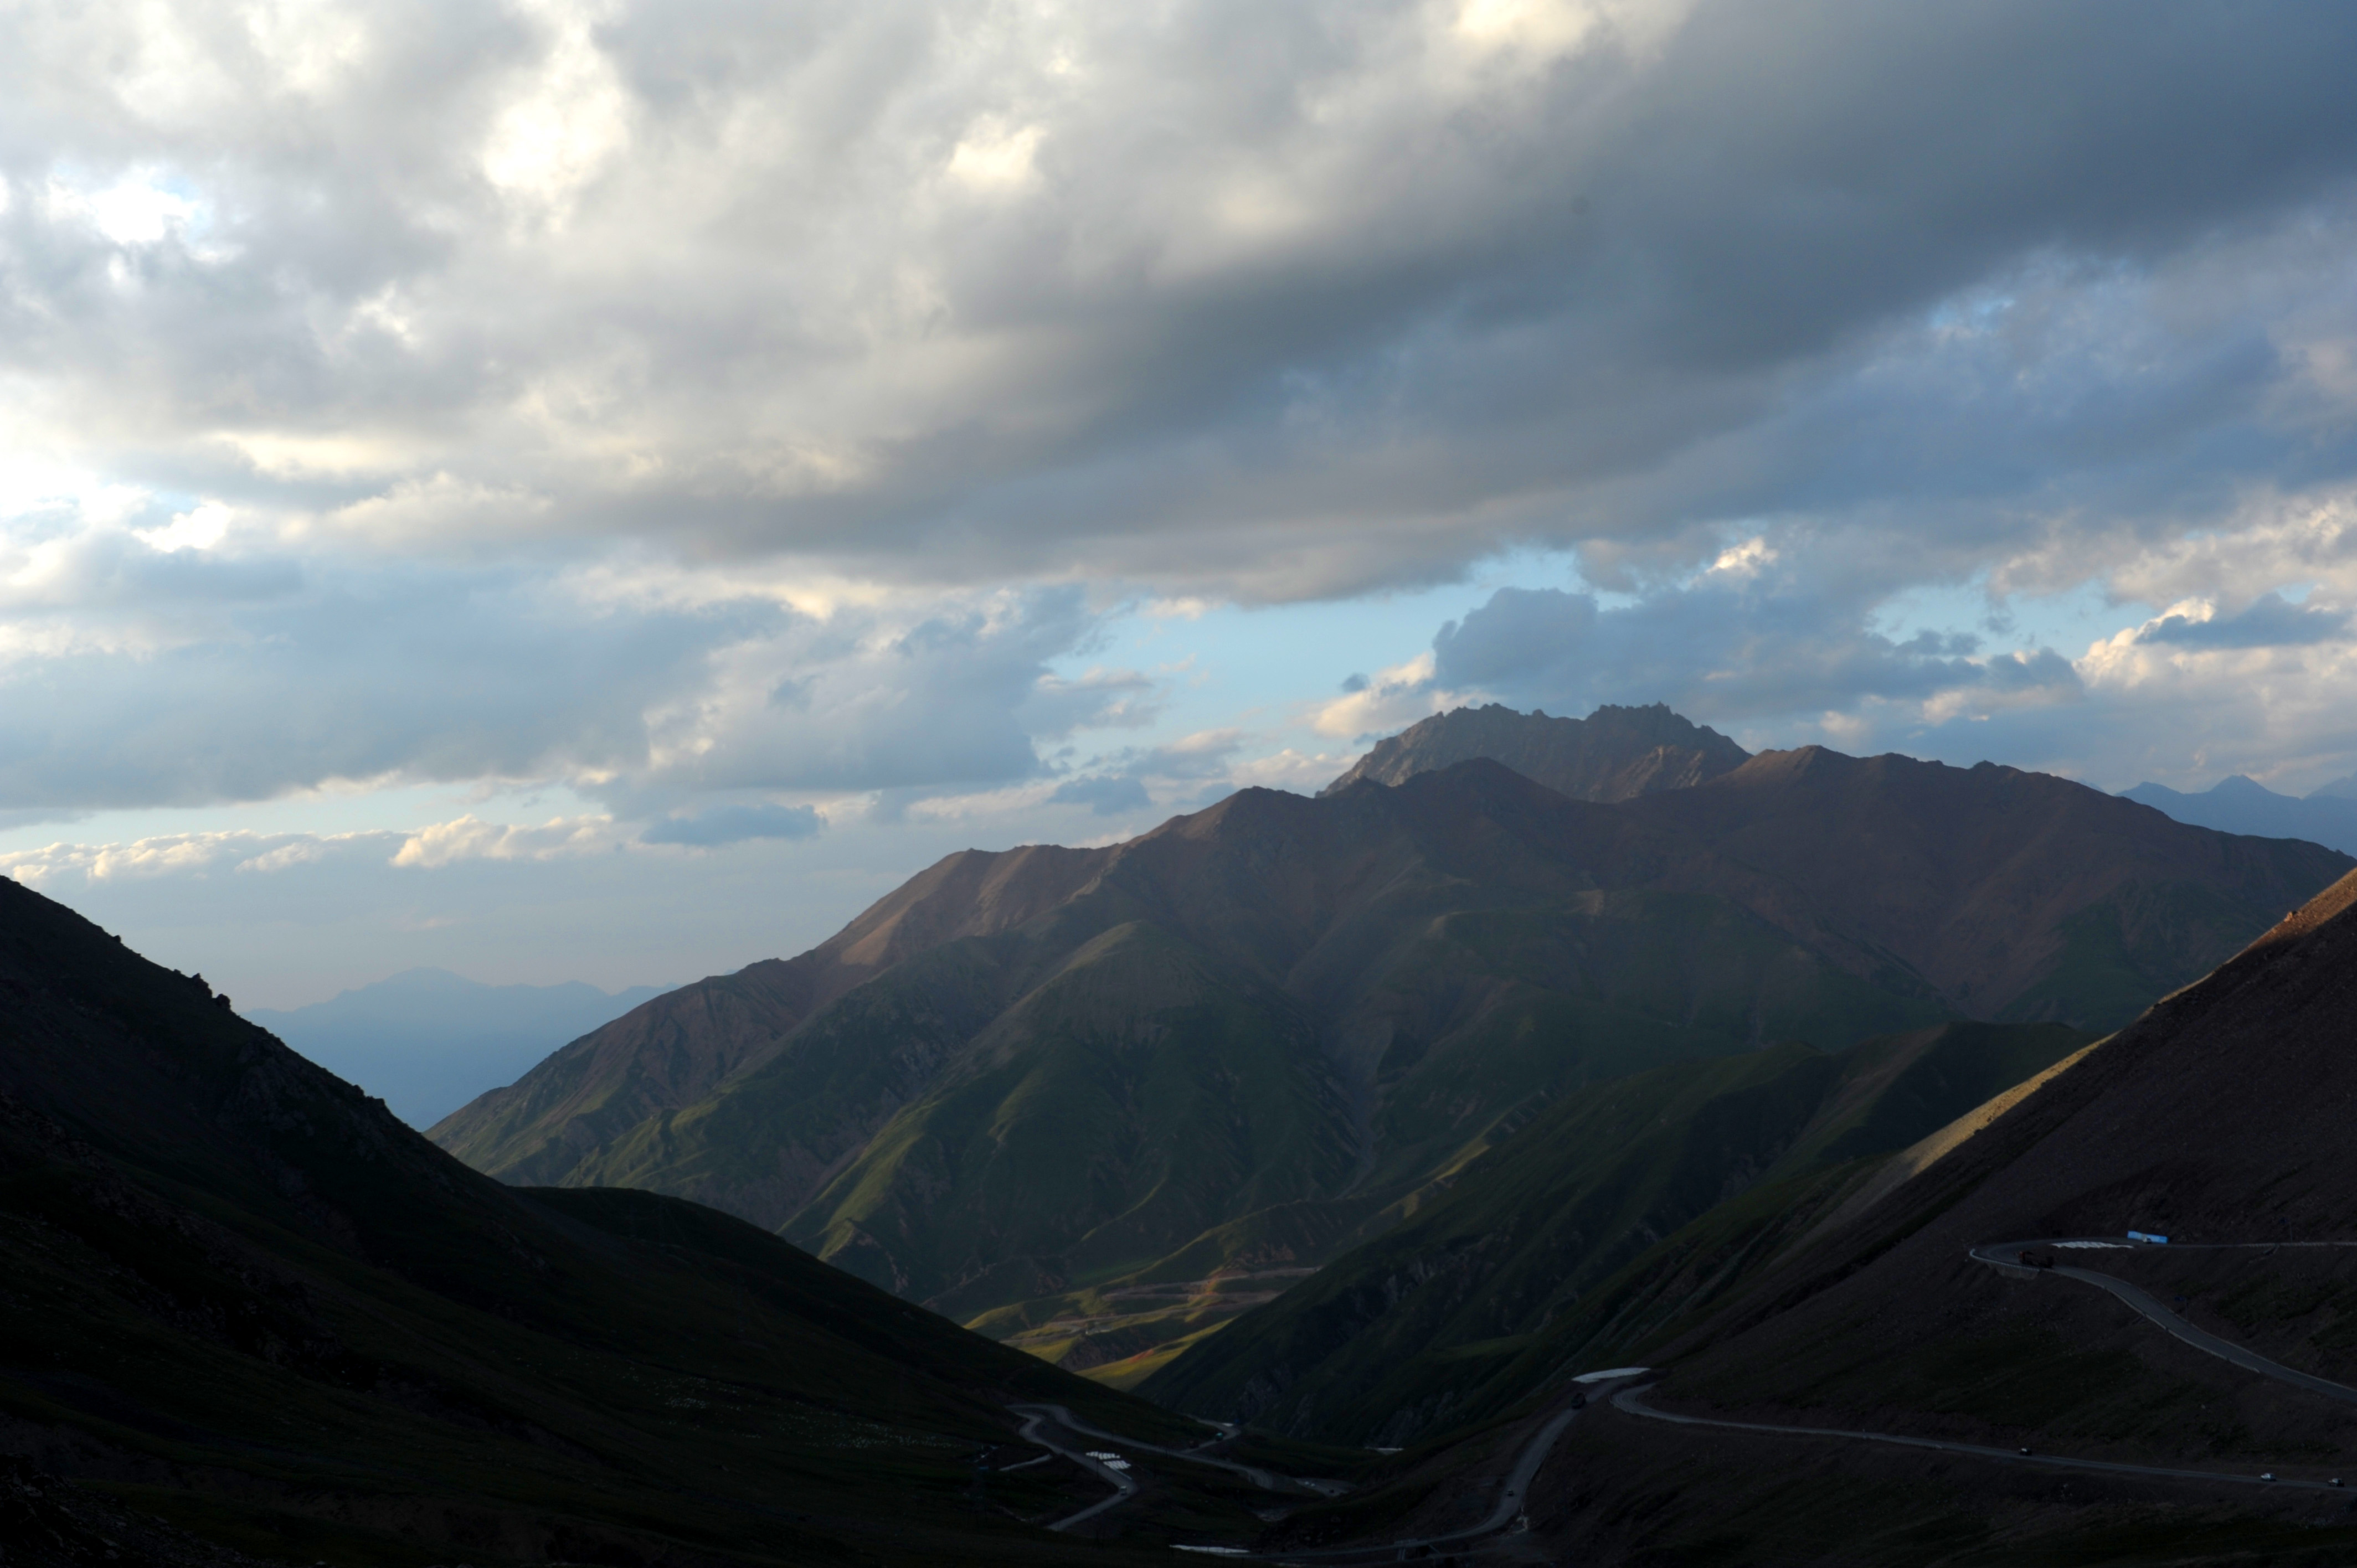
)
(2036, 1258)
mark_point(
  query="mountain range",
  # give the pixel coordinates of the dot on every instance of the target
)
(1369, 1120)
(427, 1041)
(2240, 805)
(1029, 1085)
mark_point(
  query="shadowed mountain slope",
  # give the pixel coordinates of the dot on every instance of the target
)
(2222, 1116)
(1614, 754)
(237, 1293)
(1451, 1317)
(1274, 1003)
(1249, 1039)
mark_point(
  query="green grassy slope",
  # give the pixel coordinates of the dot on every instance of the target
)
(1151, 1112)
(1143, 1094)
(1026, 1085)
(237, 1294)
(1582, 1234)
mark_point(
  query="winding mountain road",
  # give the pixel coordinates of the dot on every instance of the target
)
(1631, 1398)
(2008, 1256)
(1510, 1505)
(1266, 1480)
(1039, 1420)
(1036, 1418)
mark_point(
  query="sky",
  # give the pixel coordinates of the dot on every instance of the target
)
(603, 491)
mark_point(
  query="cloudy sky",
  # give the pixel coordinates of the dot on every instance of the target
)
(603, 490)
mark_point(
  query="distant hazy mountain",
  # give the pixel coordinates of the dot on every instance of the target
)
(2241, 805)
(1614, 754)
(429, 1040)
(1237, 1041)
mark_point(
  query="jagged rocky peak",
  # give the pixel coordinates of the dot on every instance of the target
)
(1614, 754)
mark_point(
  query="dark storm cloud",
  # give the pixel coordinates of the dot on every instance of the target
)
(1281, 299)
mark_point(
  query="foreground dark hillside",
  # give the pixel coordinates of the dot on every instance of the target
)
(2222, 1116)
(238, 1297)
(1037, 1088)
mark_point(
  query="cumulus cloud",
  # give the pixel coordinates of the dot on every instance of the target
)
(1272, 300)
(471, 837)
(1732, 645)
(695, 407)
(184, 854)
(1389, 700)
(273, 684)
(158, 657)
(943, 692)
(1783, 637)
(247, 852)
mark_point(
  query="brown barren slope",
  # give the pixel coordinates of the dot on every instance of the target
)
(1991, 882)
(681, 1046)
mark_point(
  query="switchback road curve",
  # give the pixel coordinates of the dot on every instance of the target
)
(1036, 1419)
(2006, 1256)
(1266, 1480)
(2003, 1255)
